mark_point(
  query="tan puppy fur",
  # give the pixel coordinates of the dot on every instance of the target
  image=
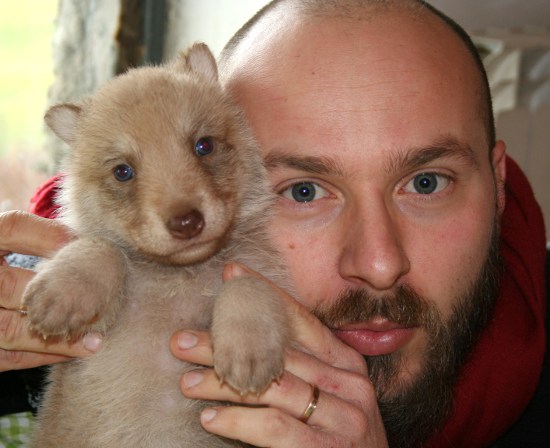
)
(164, 185)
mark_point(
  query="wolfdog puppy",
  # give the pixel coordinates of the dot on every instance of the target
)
(164, 185)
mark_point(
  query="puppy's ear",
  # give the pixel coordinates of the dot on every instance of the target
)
(199, 59)
(62, 120)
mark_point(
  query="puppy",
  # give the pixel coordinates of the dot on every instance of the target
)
(164, 185)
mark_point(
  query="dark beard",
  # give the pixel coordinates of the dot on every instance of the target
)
(413, 411)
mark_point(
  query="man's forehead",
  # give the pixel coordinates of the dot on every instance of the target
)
(347, 79)
(280, 42)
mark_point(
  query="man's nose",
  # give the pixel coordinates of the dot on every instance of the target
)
(373, 252)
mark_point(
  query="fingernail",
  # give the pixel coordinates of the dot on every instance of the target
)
(208, 415)
(191, 379)
(186, 340)
(92, 342)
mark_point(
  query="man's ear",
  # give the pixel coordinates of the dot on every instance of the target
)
(498, 160)
(62, 120)
(199, 59)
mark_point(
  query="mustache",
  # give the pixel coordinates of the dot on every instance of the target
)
(404, 307)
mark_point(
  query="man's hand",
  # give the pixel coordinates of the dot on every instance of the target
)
(346, 414)
(24, 233)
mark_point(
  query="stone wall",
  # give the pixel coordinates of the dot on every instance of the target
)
(84, 52)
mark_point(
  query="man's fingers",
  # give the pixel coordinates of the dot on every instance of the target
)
(16, 360)
(290, 394)
(12, 284)
(307, 331)
(15, 335)
(287, 393)
(266, 427)
(24, 233)
(349, 385)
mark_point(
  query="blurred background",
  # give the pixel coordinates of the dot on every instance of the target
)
(26, 72)
(60, 50)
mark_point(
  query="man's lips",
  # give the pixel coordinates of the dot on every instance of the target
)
(379, 337)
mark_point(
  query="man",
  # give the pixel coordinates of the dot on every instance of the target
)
(375, 122)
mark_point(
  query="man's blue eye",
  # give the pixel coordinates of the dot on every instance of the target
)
(427, 183)
(304, 192)
(123, 173)
(204, 146)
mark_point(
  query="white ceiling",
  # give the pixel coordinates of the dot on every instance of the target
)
(478, 14)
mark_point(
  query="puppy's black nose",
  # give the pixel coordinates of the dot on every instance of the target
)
(187, 226)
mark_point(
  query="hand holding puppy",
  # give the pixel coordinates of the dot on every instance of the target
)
(24, 233)
(345, 412)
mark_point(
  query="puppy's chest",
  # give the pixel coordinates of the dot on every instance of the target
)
(136, 349)
(159, 302)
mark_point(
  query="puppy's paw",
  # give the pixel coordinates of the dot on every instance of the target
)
(249, 362)
(60, 306)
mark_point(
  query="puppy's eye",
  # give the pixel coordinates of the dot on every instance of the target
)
(204, 146)
(123, 173)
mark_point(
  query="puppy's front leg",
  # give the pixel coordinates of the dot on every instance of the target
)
(249, 335)
(79, 290)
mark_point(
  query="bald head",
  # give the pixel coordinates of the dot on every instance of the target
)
(281, 19)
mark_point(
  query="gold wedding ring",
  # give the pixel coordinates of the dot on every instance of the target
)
(312, 405)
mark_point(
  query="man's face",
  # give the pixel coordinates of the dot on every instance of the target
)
(375, 146)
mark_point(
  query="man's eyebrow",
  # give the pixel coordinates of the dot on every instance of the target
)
(420, 156)
(309, 164)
